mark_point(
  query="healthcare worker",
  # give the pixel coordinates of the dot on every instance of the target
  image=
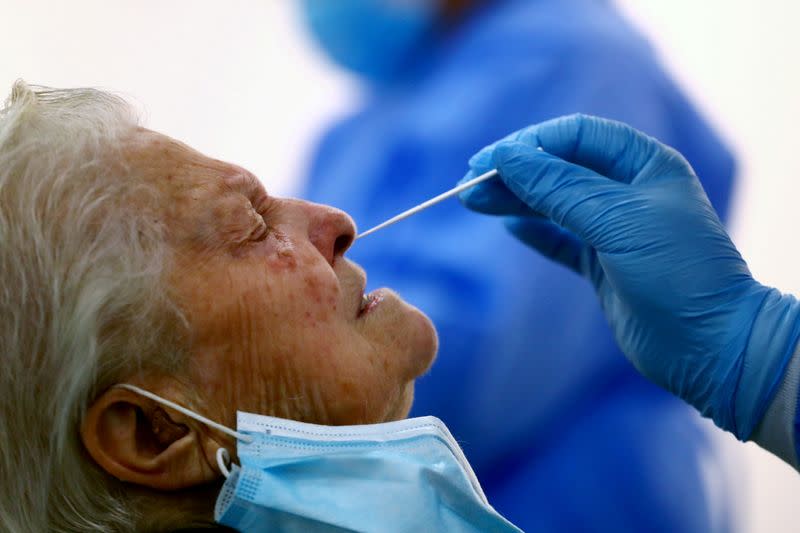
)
(529, 378)
(629, 214)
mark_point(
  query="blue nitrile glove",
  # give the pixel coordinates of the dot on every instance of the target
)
(628, 213)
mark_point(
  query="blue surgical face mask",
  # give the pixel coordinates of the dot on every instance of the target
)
(409, 475)
(374, 38)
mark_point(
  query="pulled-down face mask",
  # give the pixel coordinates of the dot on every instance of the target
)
(402, 476)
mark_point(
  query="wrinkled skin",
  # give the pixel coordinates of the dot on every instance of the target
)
(272, 304)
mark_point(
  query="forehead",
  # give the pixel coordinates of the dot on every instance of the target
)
(203, 202)
(173, 164)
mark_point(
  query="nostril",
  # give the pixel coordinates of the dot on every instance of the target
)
(341, 244)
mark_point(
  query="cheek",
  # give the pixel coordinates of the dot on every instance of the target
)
(299, 280)
(336, 376)
(318, 299)
(280, 252)
(310, 293)
(277, 342)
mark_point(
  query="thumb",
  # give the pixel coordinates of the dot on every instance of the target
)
(570, 195)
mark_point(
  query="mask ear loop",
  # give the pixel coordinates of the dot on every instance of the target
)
(223, 456)
(223, 460)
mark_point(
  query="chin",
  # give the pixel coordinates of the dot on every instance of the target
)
(425, 340)
(408, 323)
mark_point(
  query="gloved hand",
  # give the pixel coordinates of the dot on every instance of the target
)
(628, 213)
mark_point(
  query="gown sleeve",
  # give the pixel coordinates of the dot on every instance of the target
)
(779, 430)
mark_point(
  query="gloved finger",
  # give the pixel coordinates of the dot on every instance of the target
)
(483, 162)
(552, 241)
(570, 195)
(493, 198)
(610, 148)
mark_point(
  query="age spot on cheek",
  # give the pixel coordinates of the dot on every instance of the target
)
(287, 259)
(282, 263)
(312, 289)
(285, 256)
(312, 319)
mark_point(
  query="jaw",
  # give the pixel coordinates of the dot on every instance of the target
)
(403, 406)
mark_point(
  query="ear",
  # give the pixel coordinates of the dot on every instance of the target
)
(136, 440)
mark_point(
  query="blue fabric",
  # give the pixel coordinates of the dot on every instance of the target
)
(561, 431)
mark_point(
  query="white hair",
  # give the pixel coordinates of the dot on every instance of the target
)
(83, 301)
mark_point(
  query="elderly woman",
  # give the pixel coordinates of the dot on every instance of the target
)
(128, 257)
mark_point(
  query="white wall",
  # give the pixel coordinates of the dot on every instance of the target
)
(237, 80)
(233, 78)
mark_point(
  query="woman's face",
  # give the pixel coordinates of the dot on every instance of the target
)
(275, 311)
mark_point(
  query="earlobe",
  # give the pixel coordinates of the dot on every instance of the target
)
(138, 441)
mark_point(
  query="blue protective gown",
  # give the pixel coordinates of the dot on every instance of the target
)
(562, 432)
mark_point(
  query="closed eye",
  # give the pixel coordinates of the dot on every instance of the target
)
(260, 231)
(265, 212)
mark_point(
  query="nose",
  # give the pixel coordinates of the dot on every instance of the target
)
(331, 231)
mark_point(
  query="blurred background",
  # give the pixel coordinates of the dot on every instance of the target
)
(240, 80)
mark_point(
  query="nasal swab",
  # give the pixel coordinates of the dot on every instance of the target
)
(433, 201)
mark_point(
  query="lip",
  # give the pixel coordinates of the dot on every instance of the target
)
(359, 282)
(375, 298)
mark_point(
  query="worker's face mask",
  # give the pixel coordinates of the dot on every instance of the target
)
(409, 475)
(374, 38)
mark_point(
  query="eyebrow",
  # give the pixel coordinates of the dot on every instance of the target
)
(245, 183)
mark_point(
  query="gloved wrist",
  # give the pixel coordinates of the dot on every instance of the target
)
(770, 346)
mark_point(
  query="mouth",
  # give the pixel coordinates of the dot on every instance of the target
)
(369, 302)
(366, 302)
